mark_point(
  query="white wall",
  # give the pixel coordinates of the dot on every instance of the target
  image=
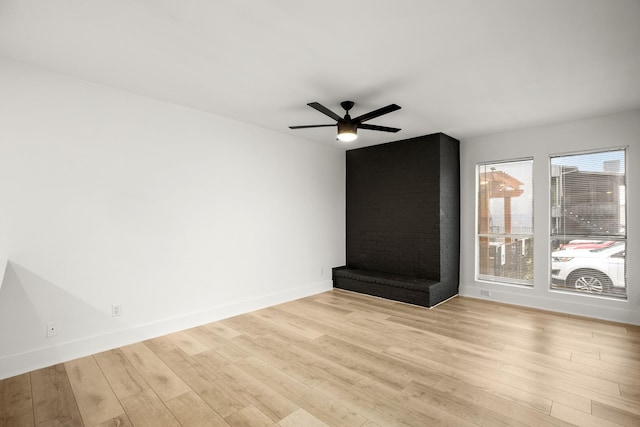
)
(618, 130)
(180, 216)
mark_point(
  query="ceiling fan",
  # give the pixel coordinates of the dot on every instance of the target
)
(348, 127)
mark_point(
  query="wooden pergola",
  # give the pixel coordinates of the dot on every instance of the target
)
(494, 184)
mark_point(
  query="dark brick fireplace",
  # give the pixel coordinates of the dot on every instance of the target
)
(403, 220)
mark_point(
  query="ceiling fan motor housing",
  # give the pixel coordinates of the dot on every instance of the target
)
(347, 127)
(347, 105)
(347, 130)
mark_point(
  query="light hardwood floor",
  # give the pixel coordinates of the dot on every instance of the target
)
(344, 359)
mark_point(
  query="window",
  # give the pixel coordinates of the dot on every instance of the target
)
(588, 223)
(504, 251)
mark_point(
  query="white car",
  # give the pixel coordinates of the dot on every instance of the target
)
(590, 270)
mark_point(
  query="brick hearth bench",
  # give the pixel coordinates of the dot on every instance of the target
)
(398, 287)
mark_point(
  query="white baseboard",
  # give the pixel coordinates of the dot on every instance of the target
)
(40, 358)
(590, 307)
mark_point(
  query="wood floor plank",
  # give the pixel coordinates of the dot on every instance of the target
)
(280, 359)
(250, 417)
(622, 403)
(606, 412)
(221, 329)
(191, 411)
(260, 396)
(360, 328)
(534, 336)
(249, 325)
(531, 364)
(633, 331)
(334, 327)
(195, 375)
(53, 399)
(465, 409)
(96, 400)
(145, 409)
(387, 407)
(16, 402)
(224, 400)
(467, 368)
(318, 307)
(625, 359)
(505, 406)
(510, 388)
(630, 392)
(187, 343)
(220, 343)
(161, 379)
(379, 366)
(206, 379)
(120, 373)
(313, 364)
(578, 418)
(598, 372)
(121, 420)
(324, 408)
(301, 418)
(589, 362)
(351, 303)
(161, 344)
(379, 412)
(579, 383)
(289, 346)
(449, 332)
(289, 323)
(622, 341)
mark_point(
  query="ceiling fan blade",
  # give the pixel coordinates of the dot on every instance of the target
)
(377, 113)
(325, 110)
(375, 127)
(311, 126)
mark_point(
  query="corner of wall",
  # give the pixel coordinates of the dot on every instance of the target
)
(17, 364)
(3, 267)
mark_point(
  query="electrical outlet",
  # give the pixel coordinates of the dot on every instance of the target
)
(116, 310)
(485, 293)
(321, 271)
(52, 329)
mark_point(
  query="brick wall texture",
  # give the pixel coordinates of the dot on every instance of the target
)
(403, 207)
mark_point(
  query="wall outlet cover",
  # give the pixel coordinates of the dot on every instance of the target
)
(52, 329)
(116, 310)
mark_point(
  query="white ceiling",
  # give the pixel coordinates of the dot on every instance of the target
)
(462, 67)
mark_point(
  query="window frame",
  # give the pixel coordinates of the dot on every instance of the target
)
(550, 217)
(516, 236)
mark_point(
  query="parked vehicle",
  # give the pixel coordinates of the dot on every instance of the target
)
(590, 270)
(587, 244)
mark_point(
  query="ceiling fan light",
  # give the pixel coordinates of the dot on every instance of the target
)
(347, 132)
(347, 136)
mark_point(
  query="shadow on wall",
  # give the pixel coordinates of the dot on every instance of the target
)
(3, 267)
(28, 303)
